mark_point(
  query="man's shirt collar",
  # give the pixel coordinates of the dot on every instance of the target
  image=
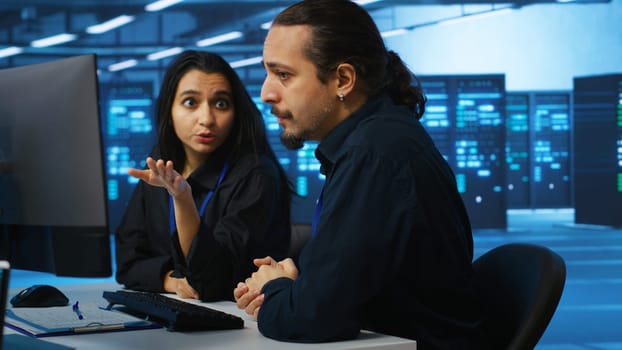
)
(329, 150)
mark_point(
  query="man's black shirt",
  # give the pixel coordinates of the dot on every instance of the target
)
(393, 247)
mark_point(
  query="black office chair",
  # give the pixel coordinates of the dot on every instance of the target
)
(301, 233)
(519, 286)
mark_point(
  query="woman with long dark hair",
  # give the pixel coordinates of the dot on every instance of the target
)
(213, 195)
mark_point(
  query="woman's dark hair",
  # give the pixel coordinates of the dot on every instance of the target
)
(342, 31)
(248, 134)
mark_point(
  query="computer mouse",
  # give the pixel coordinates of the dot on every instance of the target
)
(39, 295)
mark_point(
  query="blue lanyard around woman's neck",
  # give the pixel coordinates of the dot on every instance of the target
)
(208, 196)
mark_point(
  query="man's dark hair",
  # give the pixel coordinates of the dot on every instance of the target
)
(342, 31)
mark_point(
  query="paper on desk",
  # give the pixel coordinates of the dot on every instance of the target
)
(62, 319)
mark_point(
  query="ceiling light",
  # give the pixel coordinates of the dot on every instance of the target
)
(160, 4)
(110, 24)
(164, 53)
(246, 62)
(365, 2)
(266, 25)
(53, 40)
(122, 65)
(394, 32)
(10, 51)
(476, 15)
(219, 38)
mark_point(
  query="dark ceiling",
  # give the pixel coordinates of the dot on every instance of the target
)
(22, 21)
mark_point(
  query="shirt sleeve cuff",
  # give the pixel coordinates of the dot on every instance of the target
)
(276, 285)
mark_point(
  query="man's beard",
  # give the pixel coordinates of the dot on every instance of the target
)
(292, 142)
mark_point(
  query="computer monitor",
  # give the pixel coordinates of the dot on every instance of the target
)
(53, 215)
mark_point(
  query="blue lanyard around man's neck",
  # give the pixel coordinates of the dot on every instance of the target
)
(208, 196)
(316, 217)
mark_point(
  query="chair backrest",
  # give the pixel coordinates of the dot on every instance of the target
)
(301, 233)
(519, 286)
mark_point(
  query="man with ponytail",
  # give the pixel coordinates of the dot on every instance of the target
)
(392, 247)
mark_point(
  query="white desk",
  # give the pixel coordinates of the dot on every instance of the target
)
(247, 338)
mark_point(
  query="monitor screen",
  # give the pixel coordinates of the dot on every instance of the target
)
(53, 212)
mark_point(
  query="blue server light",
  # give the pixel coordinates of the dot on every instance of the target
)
(517, 151)
(301, 166)
(128, 118)
(551, 158)
(465, 116)
(597, 150)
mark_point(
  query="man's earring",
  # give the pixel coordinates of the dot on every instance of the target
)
(340, 97)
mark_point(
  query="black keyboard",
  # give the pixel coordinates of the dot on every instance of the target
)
(175, 315)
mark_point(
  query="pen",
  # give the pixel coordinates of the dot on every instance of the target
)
(76, 309)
